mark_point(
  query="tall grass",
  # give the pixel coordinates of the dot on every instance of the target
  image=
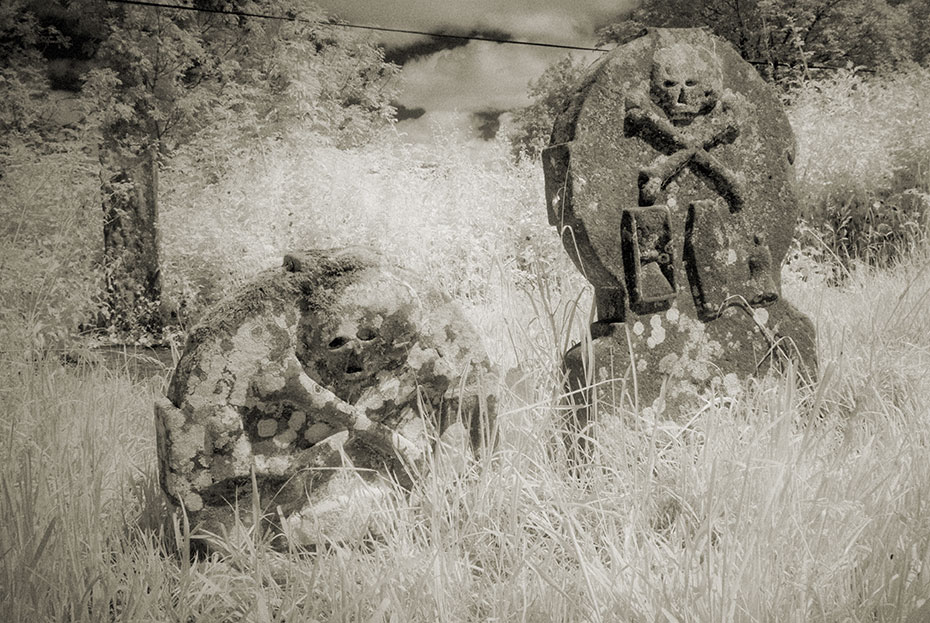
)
(50, 245)
(791, 504)
(864, 164)
(787, 503)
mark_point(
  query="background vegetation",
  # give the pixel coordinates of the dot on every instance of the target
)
(786, 502)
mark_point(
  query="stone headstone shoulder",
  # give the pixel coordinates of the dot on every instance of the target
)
(670, 179)
(327, 378)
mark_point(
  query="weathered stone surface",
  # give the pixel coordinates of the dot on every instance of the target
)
(669, 176)
(324, 377)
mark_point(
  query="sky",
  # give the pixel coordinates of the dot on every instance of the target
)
(465, 87)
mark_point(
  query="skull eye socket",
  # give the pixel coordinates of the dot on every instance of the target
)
(338, 342)
(668, 84)
(690, 83)
(366, 334)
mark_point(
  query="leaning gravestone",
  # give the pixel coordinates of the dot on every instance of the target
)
(669, 176)
(321, 378)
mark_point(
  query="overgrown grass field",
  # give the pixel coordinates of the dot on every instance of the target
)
(786, 503)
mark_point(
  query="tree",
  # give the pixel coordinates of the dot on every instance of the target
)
(787, 37)
(165, 77)
(919, 18)
(533, 124)
(22, 70)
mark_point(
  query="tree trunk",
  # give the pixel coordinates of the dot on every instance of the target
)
(129, 185)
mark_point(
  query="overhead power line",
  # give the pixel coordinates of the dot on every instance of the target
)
(439, 35)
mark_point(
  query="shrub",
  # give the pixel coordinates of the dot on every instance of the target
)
(444, 211)
(864, 163)
(50, 224)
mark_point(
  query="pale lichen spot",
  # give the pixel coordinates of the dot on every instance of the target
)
(658, 331)
(638, 328)
(668, 363)
(731, 257)
(286, 438)
(189, 443)
(277, 465)
(192, 502)
(761, 316)
(241, 453)
(298, 418)
(672, 314)
(658, 335)
(642, 364)
(267, 427)
(731, 384)
(371, 400)
(202, 480)
(270, 381)
(418, 356)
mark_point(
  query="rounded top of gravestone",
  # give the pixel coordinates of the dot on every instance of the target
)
(670, 120)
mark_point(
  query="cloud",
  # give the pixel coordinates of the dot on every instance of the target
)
(524, 18)
(459, 84)
(478, 76)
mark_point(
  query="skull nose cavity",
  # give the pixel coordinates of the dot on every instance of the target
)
(354, 365)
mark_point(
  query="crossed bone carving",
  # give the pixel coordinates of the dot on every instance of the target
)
(688, 148)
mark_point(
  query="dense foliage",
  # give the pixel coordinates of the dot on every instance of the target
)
(153, 85)
(549, 92)
(789, 41)
(789, 36)
(863, 163)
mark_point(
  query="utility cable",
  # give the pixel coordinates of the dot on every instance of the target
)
(440, 35)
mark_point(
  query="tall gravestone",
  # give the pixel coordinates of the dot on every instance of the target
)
(669, 177)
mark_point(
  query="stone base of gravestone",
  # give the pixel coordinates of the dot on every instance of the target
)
(667, 364)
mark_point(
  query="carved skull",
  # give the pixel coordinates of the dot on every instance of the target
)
(371, 326)
(686, 82)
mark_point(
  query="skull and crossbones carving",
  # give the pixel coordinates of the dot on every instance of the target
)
(685, 115)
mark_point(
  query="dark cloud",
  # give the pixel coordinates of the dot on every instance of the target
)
(400, 54)
(464, 86)
(404, 113)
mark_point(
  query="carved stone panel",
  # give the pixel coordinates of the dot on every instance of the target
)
(648, 253)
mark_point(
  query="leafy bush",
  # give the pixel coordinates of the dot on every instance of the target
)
(50, 224)
(864, 164)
